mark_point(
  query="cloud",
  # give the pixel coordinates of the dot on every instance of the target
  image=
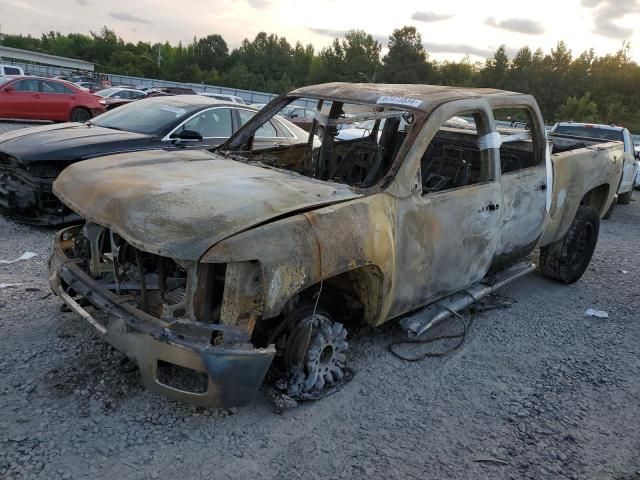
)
(82, 3)
(329, 32)
(607, 12)
(259, 3)
(127, 17)
(430, 16)
(519, 25)
(457, 48)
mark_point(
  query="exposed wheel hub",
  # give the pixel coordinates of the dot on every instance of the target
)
(315, 354)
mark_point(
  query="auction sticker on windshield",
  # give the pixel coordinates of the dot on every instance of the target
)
(404, 101)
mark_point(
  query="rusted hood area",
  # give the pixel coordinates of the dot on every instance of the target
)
(178, 204)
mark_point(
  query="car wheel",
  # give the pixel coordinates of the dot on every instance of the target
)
(320, 131)
(625, 198)
(313, 351)
(80, 115)
(567, 259)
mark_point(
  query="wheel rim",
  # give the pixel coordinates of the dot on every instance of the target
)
(315, 354)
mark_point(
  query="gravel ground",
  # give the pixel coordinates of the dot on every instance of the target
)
(538, 386)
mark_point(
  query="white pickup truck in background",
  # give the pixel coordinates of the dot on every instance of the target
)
(569, 135)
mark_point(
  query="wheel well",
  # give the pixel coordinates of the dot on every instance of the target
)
(351, 297)
(596, 198)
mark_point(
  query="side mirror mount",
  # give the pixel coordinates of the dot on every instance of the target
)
(293, 115)
(9, 89)
(186, 136)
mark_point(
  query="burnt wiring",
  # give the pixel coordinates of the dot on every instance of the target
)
(467, 322)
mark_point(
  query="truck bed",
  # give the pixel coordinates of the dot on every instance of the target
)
(578, 170)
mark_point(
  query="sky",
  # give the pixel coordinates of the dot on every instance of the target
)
(450, 29)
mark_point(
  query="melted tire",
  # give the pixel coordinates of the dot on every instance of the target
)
(314, 354)
(567, 259)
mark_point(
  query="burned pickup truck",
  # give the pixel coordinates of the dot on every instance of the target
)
(211, 269)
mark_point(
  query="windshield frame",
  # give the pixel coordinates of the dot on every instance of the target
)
(243, 135)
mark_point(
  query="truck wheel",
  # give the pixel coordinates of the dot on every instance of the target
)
(314, 351)
(567, 259)
(607, 215)
(625, 198)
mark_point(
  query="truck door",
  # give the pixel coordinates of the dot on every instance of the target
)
(448, 229)
(524, 183)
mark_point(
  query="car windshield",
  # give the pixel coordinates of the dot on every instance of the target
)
(107, 92)
(360, 161)
(589, 132)
(145, 116)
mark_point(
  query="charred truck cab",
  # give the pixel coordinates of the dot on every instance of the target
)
(211, 269)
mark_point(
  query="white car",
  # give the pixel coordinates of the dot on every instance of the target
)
(10, 70)
(121, 93)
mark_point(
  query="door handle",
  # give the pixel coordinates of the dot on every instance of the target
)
(492, 207)
(36, 96)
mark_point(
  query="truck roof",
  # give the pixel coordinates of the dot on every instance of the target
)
(416, 97)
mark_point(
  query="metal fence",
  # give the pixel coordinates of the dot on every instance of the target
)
(248, 96)
(40, 70)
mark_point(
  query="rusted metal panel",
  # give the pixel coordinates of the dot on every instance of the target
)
(574, 174)
(179, 205)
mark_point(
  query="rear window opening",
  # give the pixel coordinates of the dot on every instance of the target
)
(347, 143)
(519, 147)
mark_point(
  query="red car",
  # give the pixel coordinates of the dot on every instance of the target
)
(38, 98)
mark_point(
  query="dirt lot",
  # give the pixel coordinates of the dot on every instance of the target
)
(539, 386)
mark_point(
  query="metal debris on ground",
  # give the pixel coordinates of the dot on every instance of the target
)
(596, 313)
(465, 316)
(500, 461)
(24, 256)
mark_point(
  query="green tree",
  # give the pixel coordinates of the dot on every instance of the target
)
(583, 109)
(406, 61)
(211, 52)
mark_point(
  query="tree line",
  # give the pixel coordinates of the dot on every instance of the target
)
(586, 87)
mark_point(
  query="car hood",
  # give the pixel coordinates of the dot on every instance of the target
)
(69, 141)
(179, 204)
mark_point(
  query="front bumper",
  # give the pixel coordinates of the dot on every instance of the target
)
(29, 200)
(235, 370)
